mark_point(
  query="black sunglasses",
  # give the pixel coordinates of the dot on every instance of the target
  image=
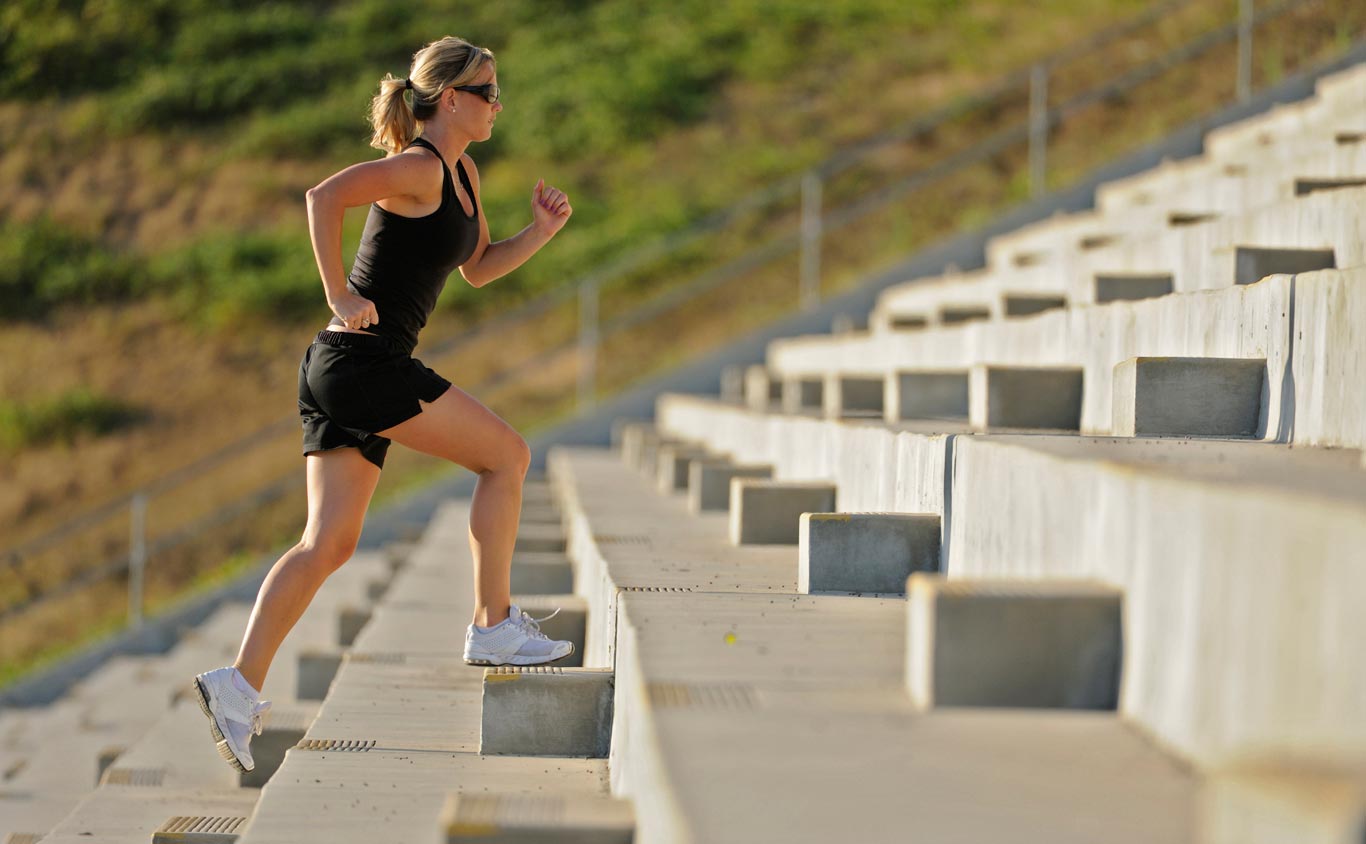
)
(488, 92)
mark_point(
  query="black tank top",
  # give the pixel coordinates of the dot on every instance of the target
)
(403, 262)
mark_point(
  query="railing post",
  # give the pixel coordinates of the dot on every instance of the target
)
(137, 558)
(1038, 131)
(811, 241)
(1245, 16)
(588, 344)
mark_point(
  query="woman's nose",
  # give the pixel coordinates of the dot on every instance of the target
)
(497, 107)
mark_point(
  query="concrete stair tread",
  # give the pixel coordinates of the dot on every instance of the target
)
(23, 810)
(398, 796)
(129, 814)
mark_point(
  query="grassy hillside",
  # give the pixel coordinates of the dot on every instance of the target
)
(155, 265)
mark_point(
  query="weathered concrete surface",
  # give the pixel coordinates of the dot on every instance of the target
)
(865, 552)
(1012, 643)
(1201, 537)
(547, 711)
(762, 388)
(852, 395)
(926, 395)
(1114, 287)
(1024, 304)
(129, 814)
(674, 461)
(802, 395)
(541, 573)
(709, 483)
(1217, 397)
(1025, 397)
(765, 512)
(533, 819)
(1329, 367)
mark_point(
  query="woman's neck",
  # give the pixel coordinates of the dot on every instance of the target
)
(451, 144)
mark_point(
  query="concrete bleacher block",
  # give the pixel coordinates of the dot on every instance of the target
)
(540, 515)
(733, 384)
(199, 829)
(1251, 264)
(23, 838)
(709, 483)
(541, 573)
(376, 587)
(1021, 304)
(105, 758)
(765, 512)
(570, 623)
(286, 725)
(1189, 218)
(852, 395)
(926, 394)
(958, 314)
(540, 539)
(801, 395)
(865, 552)
(671, 474)
(317, 668)
(762, 388)
(634, 436)
(622, 424)
(524, 818)
(1304, 187)
(547, 711)
(1180, 396)
(1025, 397)
(1117, 287)
(1280, 800)
(1013, 643)
(350, 621)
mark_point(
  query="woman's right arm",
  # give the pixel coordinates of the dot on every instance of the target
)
(360, 184)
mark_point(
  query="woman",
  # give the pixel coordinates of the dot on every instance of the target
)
(359, 387)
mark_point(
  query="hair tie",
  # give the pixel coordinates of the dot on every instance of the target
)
(408, 84)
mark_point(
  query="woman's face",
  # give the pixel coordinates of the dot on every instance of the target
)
(474, 115)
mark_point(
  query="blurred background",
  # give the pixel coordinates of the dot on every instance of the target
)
(728, 164)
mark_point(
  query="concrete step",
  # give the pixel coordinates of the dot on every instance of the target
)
(547, 711)
(709, 482)
(766, 512)
(1049, 398)
(1190, 397)
(129, 814)
(926, 394)
(556, 819)
(865, 552)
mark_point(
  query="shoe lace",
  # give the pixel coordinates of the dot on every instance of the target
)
(260, 712)
(532, 626)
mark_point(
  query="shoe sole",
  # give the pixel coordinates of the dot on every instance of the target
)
(519, 660)
(223, 749)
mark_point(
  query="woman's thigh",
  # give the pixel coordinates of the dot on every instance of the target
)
(340, 484)
(458, 428)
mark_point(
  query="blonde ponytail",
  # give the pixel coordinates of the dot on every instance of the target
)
(436, 67)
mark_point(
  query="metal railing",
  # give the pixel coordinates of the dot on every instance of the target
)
(815, 219)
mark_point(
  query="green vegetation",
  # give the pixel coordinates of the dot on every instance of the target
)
(591, 89)
(61, 418)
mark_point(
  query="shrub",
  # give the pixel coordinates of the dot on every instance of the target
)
(61, 418)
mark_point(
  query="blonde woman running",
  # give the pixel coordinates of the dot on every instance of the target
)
(360, 387)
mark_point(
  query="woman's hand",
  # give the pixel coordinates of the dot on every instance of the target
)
(549, 208)
(355, 311)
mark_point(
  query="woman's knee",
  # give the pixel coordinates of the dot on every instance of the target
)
(325, 554)
(512, 455)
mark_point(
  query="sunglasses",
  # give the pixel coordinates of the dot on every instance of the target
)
(489, 92)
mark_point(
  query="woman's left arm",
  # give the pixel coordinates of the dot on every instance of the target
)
(549, 209)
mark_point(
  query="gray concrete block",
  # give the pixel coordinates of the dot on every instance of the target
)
(540, 539)
(709, 483)
(865, 552)
(571, 623)
(1116, 287)
(766, 512)
(634, 436)
(1097, 241)
(1254, 263)
(1025, 397)
(106, 757)
(1021, 304)
(620, 426)
(733, 384)
(803, 395)
(350, 621)
(541, 573)
(317, 668)
(671, 474)
(540, 515)
(762, 388)
(1221, 397)
(1304, 187)
(470, 818)
(547, 711)
(958, 314)
(1176, 219)
(1013, 643)
(199, 829)
(375, 589)
(847, 395)
(926, 395)
(907, 322)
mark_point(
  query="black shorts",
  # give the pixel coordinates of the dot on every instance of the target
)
(352, 385)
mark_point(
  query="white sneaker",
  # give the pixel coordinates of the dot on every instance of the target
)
(517, 640)
(234, 715)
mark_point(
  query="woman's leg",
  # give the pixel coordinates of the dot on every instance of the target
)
(460, 429)
(340, 483)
